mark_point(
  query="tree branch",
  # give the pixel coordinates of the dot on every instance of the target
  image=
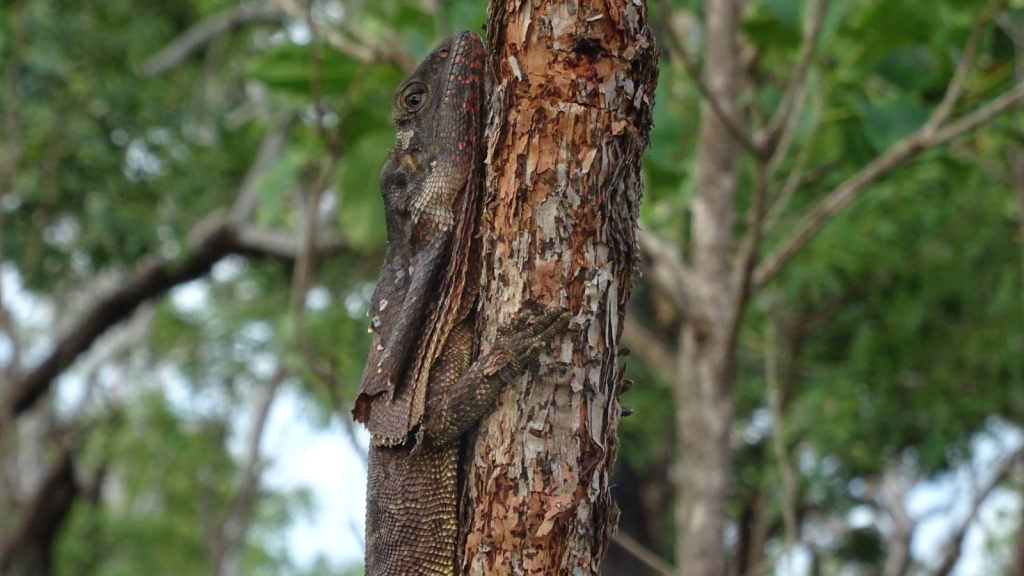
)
(153, 278)
(648, 347)
(746, 258)
(898, 556)
(643, 554)
(41, 518)
(956, 85)
(732, 124)
(211, 240)
(774, 393)
(954, 547)
(796, 180)
(904, 150)
(8, 328)
(272, 243)
(199, 34)
(220, 234)
(672, 277)
(343, 44)
(274, 141)
(10, 156)
(235, 522)
(1016, 566)
(302, 273)
(816, 10)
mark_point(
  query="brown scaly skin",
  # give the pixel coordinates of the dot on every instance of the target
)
(411, 510)
(421, 388)
(431, 185)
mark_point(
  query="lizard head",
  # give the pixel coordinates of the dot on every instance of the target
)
(439, 104)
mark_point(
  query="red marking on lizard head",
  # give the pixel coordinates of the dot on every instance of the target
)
(450, 78)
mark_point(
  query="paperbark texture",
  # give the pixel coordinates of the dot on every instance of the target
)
(569, 118)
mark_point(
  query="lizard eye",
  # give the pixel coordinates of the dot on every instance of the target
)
(413, 97)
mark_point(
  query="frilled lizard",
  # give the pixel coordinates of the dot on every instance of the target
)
(426, 383)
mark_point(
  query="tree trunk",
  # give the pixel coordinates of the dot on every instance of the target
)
(704, 407)
(1017, 180)
(569, 118)
(703, 388)
(1016, 566)
(30, 550)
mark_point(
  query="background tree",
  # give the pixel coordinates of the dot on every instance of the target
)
(804, 109)
(829, 326)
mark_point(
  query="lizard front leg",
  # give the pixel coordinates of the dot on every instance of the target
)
(411, 523)
(457, 401)
(407, 292)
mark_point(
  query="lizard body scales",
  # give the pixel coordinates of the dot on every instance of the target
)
(425, 383)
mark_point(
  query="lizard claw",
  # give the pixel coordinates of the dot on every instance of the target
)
(522, 321)
(523, 341)
(506, 375)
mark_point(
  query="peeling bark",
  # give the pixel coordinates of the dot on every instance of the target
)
(570, 113)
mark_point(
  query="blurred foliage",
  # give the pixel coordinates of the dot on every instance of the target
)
(902, 323)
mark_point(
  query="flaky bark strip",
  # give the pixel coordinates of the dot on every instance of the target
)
(570, 115)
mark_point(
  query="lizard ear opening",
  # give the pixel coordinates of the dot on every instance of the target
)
(442, 53)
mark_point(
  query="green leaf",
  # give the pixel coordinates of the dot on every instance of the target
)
(890, 119)
(272, 185)
(288, 68)
(766, 30)
(912, 68)
(362, 208)
(785, 11)
(463, 15)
